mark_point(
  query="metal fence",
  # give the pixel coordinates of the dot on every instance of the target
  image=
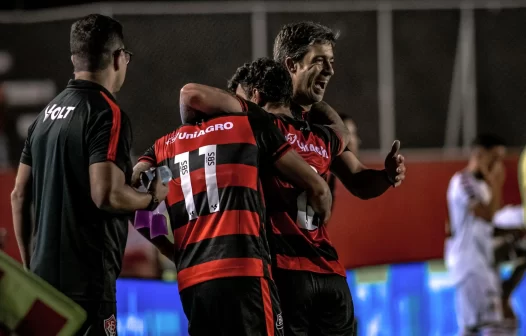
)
(430, 73)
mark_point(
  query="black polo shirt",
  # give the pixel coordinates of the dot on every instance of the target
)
(77, 247)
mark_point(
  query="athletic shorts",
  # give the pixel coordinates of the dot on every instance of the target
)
(241, 306)
(478, 301)
(315, 304)
(101, 320)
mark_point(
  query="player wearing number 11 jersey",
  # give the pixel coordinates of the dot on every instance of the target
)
(217, 214)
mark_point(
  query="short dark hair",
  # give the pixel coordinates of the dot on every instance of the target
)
(269, 77)
(488, 141)
(294, 39)
(93, 40)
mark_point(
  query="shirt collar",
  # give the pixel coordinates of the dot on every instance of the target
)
(85, 84)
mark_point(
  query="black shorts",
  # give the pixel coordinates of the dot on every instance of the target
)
(101, 320)
(241, 306)
(315, 304)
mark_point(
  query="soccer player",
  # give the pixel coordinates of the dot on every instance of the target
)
(473, 197)
(76, 169)
(217, 211)
(307, 264)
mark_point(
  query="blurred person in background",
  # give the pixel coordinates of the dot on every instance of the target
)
(473, 197)
(306, 50)
(354, 147)
(76, 169)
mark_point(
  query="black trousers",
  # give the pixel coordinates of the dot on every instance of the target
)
(241, 306)
(101, 320)
(315, 304)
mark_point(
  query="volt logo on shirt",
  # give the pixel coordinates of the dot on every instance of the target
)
(57, 112)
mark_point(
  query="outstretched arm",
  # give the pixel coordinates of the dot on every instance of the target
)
(361, 181)
(198, 99)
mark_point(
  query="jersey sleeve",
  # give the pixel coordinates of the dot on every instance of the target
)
(109, 138)
(269, 139)
(26, 157)
(149, 156)
(335, 142)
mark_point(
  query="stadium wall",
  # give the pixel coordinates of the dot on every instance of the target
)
(406, 225)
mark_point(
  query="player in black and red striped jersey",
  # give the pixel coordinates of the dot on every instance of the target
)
(299, 241)
(216, 209)
(306, 50)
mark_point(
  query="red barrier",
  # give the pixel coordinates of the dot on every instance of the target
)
(7, 181)
(405, 224)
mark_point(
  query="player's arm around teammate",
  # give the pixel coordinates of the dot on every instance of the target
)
(209, 100)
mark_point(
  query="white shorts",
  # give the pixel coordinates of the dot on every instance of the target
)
(478, 301)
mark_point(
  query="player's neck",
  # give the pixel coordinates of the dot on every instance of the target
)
(96, 77)
(279, 110)
(303, 102)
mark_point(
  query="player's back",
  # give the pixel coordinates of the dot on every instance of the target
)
(297, 241)
(215, 200)
(77, 246)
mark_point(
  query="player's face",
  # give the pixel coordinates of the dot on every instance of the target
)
(311, 75)
(355, 139)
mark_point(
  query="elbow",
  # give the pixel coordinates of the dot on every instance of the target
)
(17, 198)
(104, 199)
(191, 95)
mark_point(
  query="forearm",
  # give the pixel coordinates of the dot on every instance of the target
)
(208, 100)
(367, 183)
(362, 182)
(300, 174)
(22, 226)
(126, 199)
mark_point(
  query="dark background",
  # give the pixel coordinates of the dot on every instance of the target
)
(171, 50)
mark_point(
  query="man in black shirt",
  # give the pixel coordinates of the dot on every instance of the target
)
(76, 169)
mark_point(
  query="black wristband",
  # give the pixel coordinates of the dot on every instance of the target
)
(154, 203)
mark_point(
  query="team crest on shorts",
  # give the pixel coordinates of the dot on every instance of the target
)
(279, 321)
(110, 326)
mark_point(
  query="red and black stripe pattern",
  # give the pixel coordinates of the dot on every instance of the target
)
(214, 201)
(297, 241)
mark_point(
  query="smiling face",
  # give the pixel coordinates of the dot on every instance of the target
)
(311, 75)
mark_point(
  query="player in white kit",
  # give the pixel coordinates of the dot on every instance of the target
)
(473, 197)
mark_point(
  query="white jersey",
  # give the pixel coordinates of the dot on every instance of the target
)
(470, 248)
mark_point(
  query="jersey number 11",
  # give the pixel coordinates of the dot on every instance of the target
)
(210, 157)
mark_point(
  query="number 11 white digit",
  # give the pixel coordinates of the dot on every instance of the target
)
(210, 159)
